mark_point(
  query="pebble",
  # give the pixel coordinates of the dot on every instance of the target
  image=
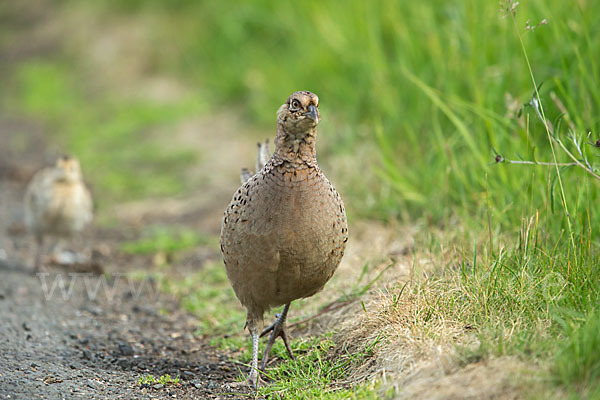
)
(187, 374)
(87, 355)
(125, 349)
(197, 383)
(93, 310)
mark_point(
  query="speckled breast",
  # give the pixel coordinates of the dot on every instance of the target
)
(296, 224)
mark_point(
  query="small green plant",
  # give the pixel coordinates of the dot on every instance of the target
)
(166, 240)
(315, 373)
(163, 380)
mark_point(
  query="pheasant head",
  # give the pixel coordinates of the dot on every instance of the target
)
(67, 169)
(297, 121)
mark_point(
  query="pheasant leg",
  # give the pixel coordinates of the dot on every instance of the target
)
(277, 328)
(254, 378)
(39, 252)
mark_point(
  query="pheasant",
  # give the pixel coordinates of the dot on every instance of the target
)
(261, 159)
(57, 203)
(284, 232)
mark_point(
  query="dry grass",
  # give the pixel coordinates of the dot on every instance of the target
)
(416, 355)
(409, 331)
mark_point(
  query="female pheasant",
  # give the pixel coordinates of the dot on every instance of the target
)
(284, 233)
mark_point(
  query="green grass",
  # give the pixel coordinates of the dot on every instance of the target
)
(163, 380)
(166, 240)
(208, 295)
(315, 373)
(425, 81)
(312, 375)
(526, 302)
(115, 139)
(577, 364)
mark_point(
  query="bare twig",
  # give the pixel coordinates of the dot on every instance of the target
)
(576, 163)
(534, 103)
(572, 164)
(572, 157)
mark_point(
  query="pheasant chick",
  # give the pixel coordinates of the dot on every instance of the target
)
(57, 203)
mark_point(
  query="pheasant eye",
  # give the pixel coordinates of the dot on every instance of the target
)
(295, 104)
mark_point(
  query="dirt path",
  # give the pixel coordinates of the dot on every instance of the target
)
(68, 334)
(73, 333)
(96, 348)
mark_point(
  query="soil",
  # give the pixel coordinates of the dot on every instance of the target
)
(97, 348)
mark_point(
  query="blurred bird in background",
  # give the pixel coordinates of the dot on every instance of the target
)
(57, 203)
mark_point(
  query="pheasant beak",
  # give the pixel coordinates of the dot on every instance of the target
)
(313, 113)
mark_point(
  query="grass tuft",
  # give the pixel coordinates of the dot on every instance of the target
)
(315, 375)
(163, 380)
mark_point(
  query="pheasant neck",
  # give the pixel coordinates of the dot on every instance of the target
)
(296, 147)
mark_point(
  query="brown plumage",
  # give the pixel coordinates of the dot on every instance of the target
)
(285, 231)
(57, 203)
